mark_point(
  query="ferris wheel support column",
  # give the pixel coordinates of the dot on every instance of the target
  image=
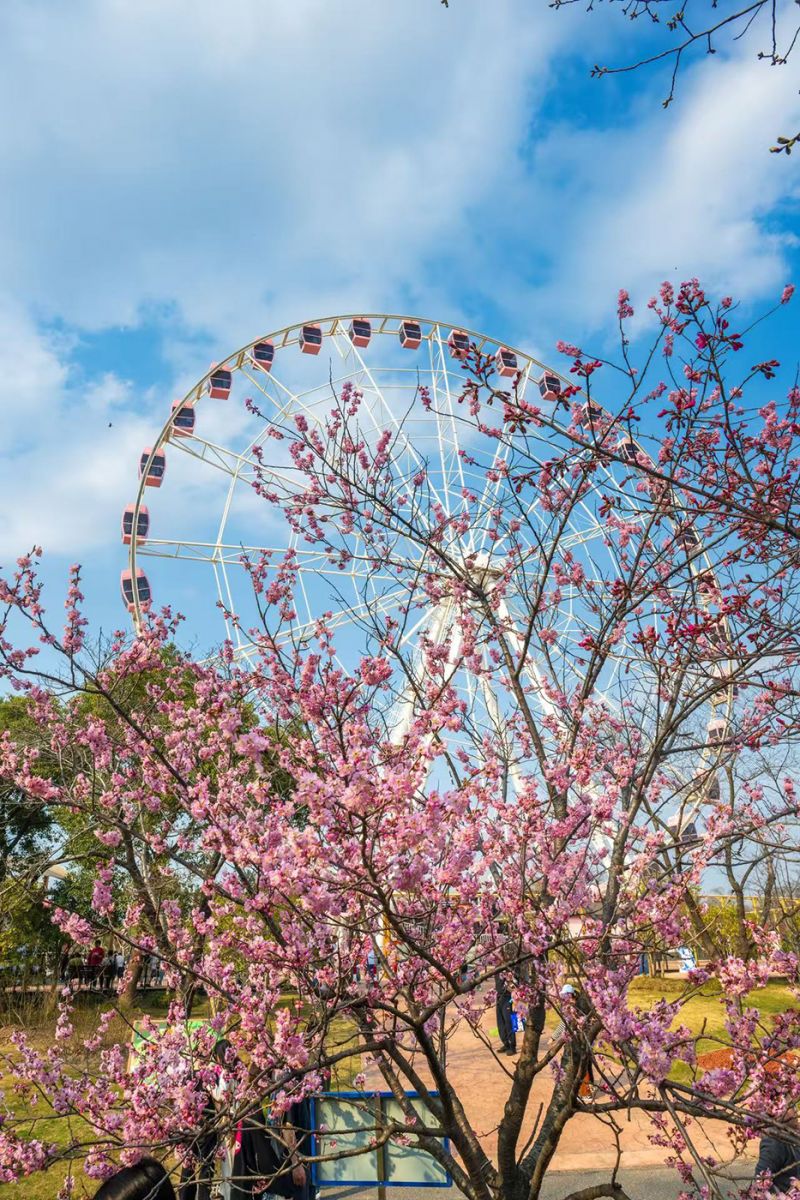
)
(529, 668)
(598, 840)
(442, 623)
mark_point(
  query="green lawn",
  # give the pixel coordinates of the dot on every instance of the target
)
(44, 1186)
(703, 1013)
(48, 1128)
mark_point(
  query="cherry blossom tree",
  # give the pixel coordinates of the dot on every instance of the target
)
(528, 790)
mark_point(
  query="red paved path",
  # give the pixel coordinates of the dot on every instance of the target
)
(482, 1081)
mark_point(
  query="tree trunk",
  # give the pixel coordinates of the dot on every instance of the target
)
(187, 994)
(710, 949)
(128, 998)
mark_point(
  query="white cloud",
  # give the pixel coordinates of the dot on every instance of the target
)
(66, 488)
(243, 168)
(688, 192)
(246, 166)
(34, 373)
(253, 162)
(70, 450)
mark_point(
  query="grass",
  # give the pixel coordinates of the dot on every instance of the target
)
(703, 1013)
(39, 1121)
(43, 1186)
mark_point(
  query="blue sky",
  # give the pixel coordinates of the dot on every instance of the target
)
(179, 176)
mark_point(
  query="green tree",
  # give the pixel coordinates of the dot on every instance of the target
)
(25, 827)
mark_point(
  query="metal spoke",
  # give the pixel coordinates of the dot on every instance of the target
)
(212, 455)
(399, 432)
(316, 561)
(336, 566)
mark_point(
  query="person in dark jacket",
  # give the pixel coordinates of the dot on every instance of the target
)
(264, 1160)
(782, 1160)
(298, 1121)
(503, 1011)
(198, 1175)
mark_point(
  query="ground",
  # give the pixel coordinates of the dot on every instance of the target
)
(587, 1146)
(640, 1183)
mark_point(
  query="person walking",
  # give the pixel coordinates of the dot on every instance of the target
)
(561, 1033)
(146, 1180)
(94, 961)
(504, 1006)
(75, 966)
(107, 971)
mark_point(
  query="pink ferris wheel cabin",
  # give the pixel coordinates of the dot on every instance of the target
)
(549, 386)
(142, 525)
(506, 362)
(458, 343)
(183, 422)
(132, 591)
(628, 450)
(360, 332)
(262, 355)
(688, 538)
(717, 731)
(157, 469)
(311, 339)
(684, 832)
(219, 384)
(410, 335)
(590, 413)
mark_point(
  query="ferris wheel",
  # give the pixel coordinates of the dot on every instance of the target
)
(226, 480)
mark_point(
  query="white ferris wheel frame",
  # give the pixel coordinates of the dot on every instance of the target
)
(434, 336)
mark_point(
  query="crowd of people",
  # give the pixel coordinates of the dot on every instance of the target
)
(101, 967)
(257, 1159)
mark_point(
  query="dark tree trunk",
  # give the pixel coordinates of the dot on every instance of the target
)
(128, 998)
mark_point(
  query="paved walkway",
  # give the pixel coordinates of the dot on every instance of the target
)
(639, 1183)
(588, 1142)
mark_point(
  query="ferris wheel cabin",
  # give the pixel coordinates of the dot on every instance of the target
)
(410, 335)
(506, 362)
(154, 473)
(311, 339)
(142, 525)
(685, 835)
(132, 591)
(262, 356)
(717, 731)
(183, 420)
(219, 384)
(628, 451)
(458, 343)
(707, 584)
(360, 332)
(590, 414)
(550, 387)
(688, 539)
